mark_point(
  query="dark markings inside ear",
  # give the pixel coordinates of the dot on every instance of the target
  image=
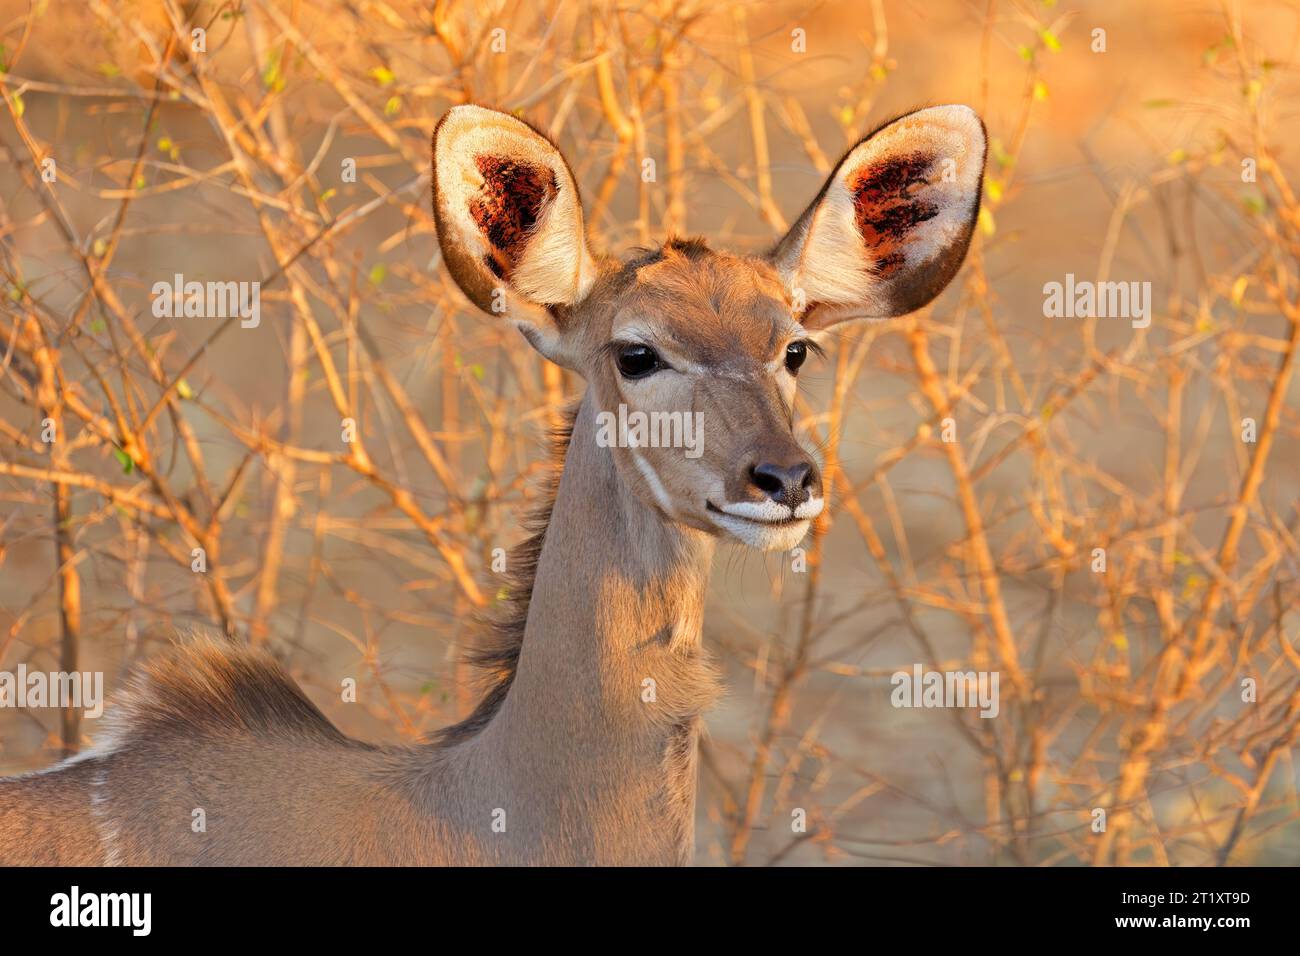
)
(886, 209)
(512, 199)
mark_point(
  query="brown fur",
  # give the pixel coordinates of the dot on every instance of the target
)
(46, 818)
(497, 655)
(210, 689)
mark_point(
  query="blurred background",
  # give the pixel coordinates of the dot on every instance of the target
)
(287, 143)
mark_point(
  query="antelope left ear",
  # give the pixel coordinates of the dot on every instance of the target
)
(891, 226)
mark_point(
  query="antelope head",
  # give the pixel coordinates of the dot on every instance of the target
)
(683, 337)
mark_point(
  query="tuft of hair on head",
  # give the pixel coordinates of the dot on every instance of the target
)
(691, 247)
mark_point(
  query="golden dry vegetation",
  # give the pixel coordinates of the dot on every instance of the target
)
(1169, 158)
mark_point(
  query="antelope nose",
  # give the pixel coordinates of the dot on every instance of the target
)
(789, 485)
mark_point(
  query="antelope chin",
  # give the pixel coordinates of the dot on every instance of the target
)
(765, 525)
(761, 535)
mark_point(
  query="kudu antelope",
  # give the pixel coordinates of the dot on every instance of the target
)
(567, 759)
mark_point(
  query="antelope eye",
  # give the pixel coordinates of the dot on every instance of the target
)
(795, 353)
(637, 361)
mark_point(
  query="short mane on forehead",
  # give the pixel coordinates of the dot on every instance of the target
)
(692, 248)
(716, 266)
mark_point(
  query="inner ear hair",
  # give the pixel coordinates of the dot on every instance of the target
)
(893, 222)
(507, 212)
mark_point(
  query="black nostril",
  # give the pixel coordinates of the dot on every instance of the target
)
(768, 479)
(787, 485)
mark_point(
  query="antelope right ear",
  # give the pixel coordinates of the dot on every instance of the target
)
(509, 220)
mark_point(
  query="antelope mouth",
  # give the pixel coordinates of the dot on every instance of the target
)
(765, 525)
(790, 517)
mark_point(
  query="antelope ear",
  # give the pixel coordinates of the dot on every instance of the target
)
(509, 217)
(890, 227)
